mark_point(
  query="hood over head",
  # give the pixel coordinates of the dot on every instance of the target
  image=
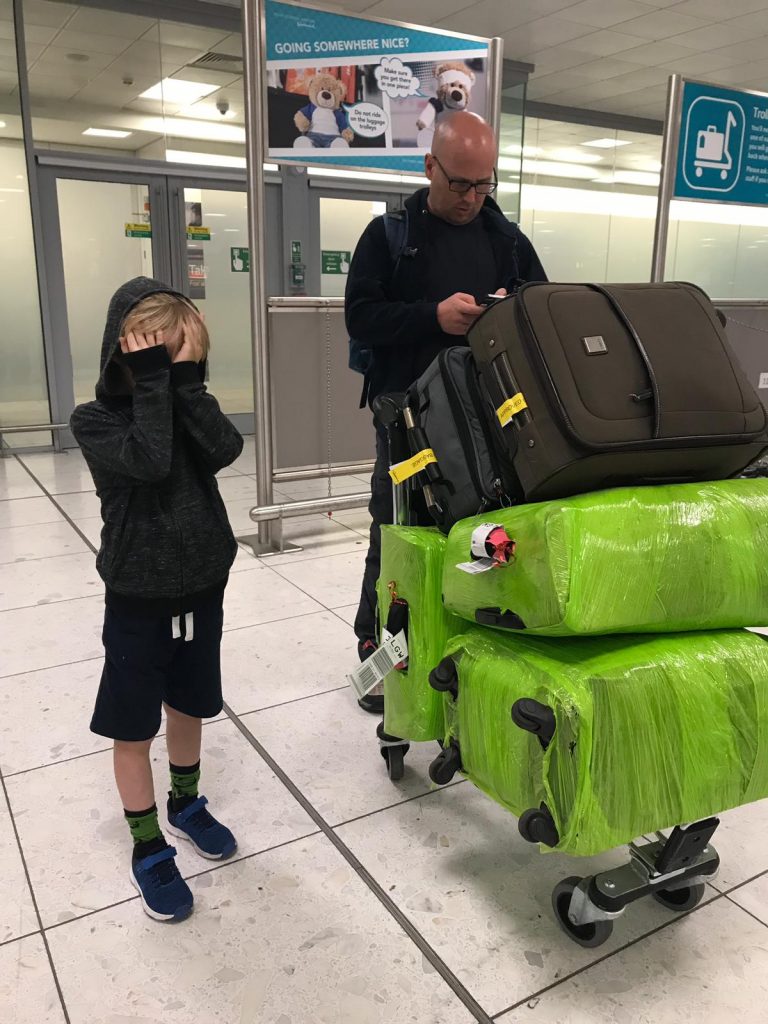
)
(111, 378)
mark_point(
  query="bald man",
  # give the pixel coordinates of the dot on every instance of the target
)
(459, 248)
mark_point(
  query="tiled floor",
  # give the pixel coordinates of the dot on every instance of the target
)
(351, 900)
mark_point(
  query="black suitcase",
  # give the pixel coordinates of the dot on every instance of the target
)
(448, 413)
(601, 386)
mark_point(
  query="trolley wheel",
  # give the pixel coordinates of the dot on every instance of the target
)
(445, 765)
(538, 826)
(394, 757)
(680, 900)
(587, 935)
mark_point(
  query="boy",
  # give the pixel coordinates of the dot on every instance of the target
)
(153, 440)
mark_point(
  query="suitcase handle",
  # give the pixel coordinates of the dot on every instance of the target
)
(496, 617)
(621, 314)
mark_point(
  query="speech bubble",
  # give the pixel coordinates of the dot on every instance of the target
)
(367, 119)
(395, 78)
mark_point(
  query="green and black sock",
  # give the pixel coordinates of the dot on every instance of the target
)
(184, 782)
(145, 830)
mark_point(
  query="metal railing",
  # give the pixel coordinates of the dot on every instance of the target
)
(31, 428)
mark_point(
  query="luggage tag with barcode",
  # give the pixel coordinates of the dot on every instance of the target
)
(368, 674)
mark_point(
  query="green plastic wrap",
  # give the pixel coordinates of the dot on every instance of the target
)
(650, 559)
(651, 731)
(412, 560)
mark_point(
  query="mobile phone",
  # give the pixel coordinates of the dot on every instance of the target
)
(488, 300)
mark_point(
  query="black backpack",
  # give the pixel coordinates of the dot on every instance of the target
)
(360, 354)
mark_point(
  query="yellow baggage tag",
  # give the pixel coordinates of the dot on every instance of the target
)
(511, 408)
(403, 471)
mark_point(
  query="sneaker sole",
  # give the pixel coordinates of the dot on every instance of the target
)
(208, 856)
(180, 915)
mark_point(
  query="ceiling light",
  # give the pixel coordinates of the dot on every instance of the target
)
(11, 189)
(182, 156)
(3, 124)
(607, 143)
(178, 90)
(185, 129)
(552, 169)
(107, 133)
(393, 179)
(574, 156)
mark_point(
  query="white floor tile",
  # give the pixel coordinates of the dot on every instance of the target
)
(50, 580)
(289, 937)
(742, 843)
(27, 989)
(60, 473)
(285, 661)
(358, 519)
(80, 504)
(241, 789)
(21, 543)
(45, 716)
(259, 595)
(91, 527)
(53, 634)
(334, 581)
(711, 965)
(17, 913)
(233, 488)
(27, 512)
(754, 898)
(457, 866)
(328, 747)
(15, 482)
(348, 613)
(317, 536)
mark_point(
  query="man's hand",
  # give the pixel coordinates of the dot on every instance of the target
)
(457, 313)
(134, 342)
(191, 349)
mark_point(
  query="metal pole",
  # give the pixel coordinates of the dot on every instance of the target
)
(669, 149)
(284, 476)
(305, 508)
(495, 78)
(254, 51)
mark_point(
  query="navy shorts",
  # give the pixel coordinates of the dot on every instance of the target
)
(151, 660)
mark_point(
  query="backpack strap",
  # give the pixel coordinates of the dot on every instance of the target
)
(396, 225)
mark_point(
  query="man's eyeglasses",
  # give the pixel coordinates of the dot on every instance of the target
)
(461, 185)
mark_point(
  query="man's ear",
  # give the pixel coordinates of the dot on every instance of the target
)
(429, 165)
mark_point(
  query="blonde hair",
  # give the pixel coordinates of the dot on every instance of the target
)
(169, 314)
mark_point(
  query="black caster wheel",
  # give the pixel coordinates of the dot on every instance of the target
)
(445, 765)
(587, 935)
(394, 757)
(445, 678)
(680, 900)
(537, 826)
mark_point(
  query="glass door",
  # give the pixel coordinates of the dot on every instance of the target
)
(215, 270)
(106, 239)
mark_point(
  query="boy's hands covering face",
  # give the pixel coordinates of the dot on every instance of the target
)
(191, 348)
(134, 342)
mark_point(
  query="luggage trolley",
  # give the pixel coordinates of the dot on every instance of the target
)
(672, 869)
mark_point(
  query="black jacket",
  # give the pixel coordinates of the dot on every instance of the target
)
(153, 453)
(385, 306)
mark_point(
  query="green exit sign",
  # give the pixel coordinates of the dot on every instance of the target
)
(239, 260)
(335, 261)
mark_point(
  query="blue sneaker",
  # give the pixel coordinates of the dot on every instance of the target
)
(209, 837)
(164, 894)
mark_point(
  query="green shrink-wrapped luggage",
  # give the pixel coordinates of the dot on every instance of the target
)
(652, 559)
(411, 575)
(643, 732)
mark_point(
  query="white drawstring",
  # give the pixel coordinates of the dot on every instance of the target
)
(188, 618)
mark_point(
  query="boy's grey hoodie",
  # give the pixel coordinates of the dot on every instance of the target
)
(153, 453)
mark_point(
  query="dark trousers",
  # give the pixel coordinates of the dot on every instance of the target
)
(382, 511)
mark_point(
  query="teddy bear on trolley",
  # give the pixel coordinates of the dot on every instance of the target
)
(454, 91)
(323, 122)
